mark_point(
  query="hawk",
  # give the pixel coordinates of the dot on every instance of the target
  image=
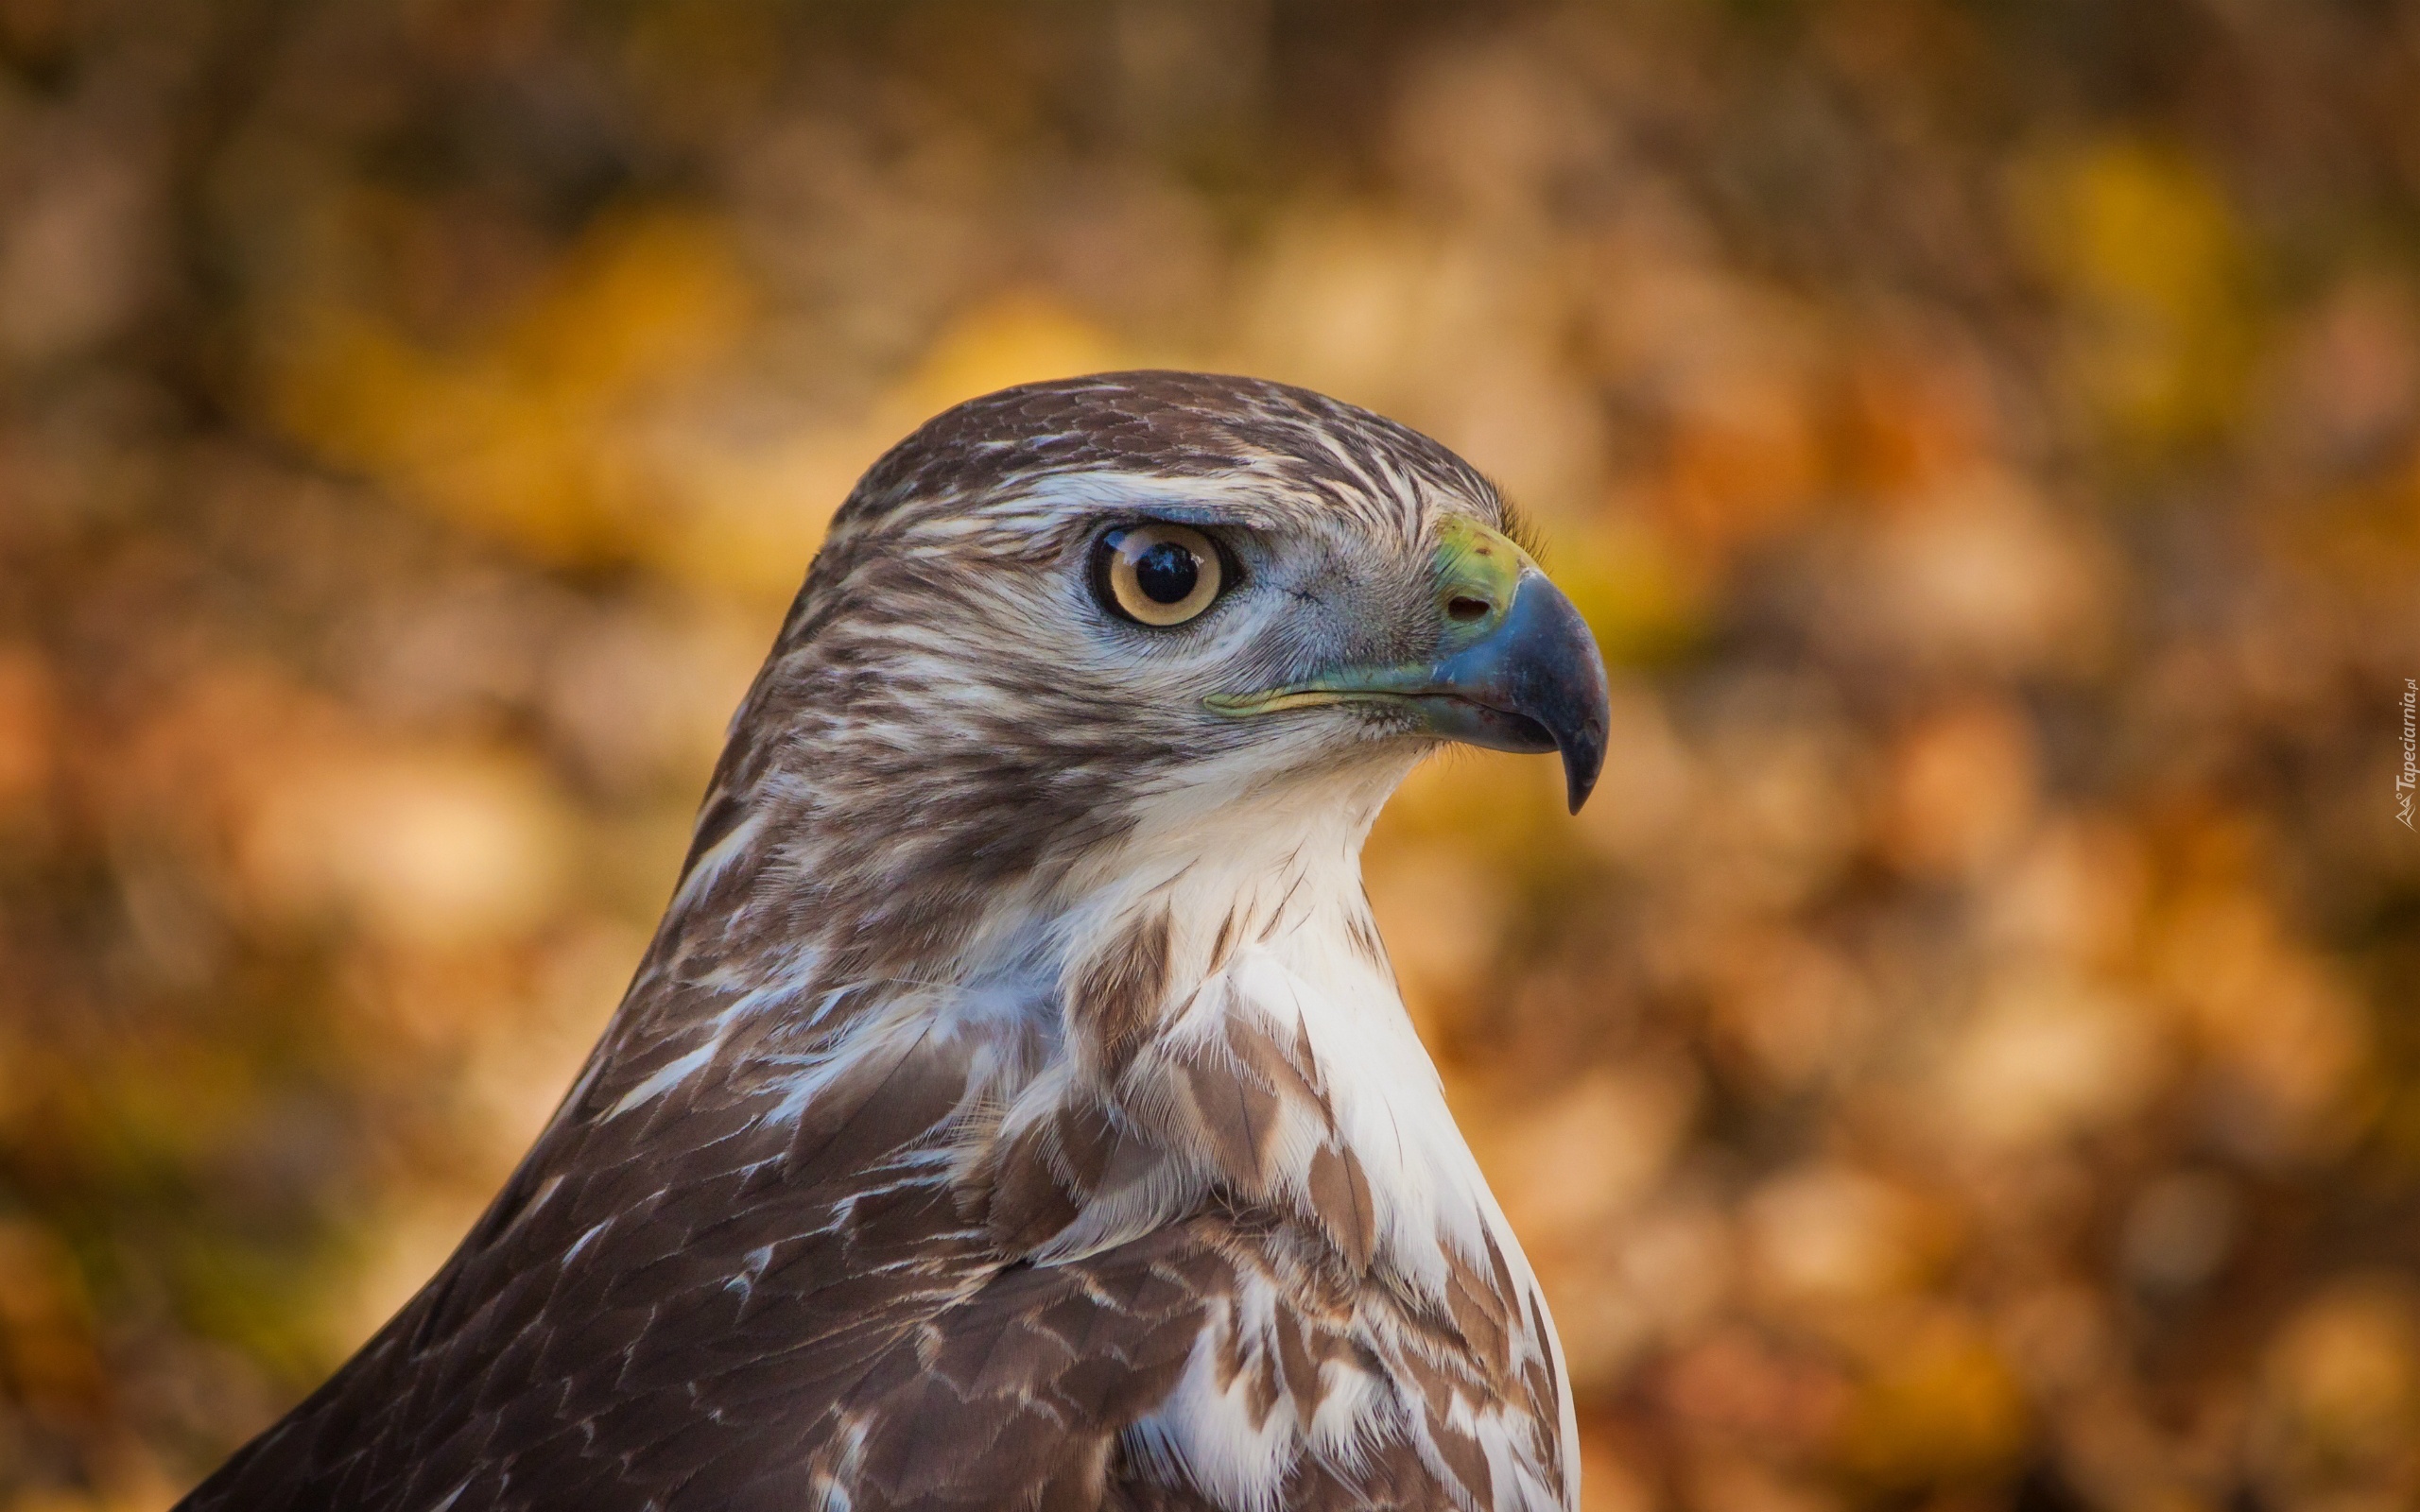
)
(1015, 1107)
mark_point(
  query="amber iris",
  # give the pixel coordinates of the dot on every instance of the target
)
(1158, 574)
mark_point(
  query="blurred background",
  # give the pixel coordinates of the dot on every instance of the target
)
(1966, 1058)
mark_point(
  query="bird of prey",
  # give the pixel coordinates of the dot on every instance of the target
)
(1015, 1107)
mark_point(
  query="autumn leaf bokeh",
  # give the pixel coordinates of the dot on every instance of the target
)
(1964, 1057)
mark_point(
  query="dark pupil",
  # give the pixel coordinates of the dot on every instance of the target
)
(1167, 572)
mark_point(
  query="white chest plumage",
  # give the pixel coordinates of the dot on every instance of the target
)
(1439, 1233)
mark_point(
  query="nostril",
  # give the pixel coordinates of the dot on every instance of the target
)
(1466, 611)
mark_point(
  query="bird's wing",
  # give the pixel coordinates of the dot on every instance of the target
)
(687, 1301)
(698, 1304)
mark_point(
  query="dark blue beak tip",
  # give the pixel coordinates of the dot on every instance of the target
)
(1582, 744)
(1582, 762)
(1566, 690)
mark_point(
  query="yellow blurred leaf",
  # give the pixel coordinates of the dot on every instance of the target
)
(534, 431)
(2153, 260)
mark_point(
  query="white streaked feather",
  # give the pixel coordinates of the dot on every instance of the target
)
(670, 1075)
(1210, 1433)
(716, 859)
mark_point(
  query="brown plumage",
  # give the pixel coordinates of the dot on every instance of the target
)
(1013, 1108)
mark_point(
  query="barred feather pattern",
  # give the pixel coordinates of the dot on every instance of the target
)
(1014, 1108)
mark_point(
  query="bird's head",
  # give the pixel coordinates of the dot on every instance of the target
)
(1070, 613)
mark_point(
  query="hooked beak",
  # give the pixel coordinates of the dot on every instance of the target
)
(1514, 669)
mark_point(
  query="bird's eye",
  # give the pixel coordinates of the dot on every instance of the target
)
(1157, 574)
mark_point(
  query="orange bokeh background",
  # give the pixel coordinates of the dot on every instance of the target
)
(1965, 1056)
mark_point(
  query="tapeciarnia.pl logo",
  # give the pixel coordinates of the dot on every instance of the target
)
(2407, 779)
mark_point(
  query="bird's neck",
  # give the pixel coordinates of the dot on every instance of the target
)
(1219, 986)
(1210, 985)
